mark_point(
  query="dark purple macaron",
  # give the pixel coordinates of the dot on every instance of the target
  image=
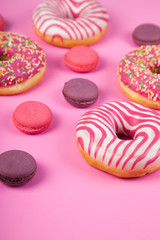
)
(80, 92)
(147, 34)
(16, 167)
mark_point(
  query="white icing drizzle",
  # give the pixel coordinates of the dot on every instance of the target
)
(97, 129)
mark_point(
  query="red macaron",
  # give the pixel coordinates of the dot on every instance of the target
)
(32, 117)
(2, 23)
(81, 59)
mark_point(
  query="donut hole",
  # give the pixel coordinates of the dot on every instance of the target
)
(4, 58)
(123, 136)
(73, 16)
(155, 70)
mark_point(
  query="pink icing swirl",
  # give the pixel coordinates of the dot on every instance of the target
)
(21, 58)
(138, 71)
(97, 131)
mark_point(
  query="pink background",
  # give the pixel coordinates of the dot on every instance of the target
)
(68, 199)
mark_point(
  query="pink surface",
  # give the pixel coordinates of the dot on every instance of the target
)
(68, 199)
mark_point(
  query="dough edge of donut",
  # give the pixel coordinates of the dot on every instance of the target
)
(24, 86)
(115, 171)
(136, 97)
(69, 43)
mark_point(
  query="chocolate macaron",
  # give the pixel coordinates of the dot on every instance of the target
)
(16, 167)
(80, 92)
(146, 34)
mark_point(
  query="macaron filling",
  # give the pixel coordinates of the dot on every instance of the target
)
(20, 180)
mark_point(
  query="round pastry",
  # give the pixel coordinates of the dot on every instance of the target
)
(139, 76)
(32, 117)
(97, 138)
(147, 34)
(80, 92)
(2, 23)
(70, 23)
(16, 167)
(22, 64)
(81, 59)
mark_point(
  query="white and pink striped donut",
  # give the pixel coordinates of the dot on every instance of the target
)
(68, 23)
(99, 144)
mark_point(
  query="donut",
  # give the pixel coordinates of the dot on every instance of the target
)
(22, 63)
(139, 77)
(70, 23)
(97, 135)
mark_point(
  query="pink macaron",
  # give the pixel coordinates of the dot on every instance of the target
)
(81, 59)
(2, 23)
(32, 117)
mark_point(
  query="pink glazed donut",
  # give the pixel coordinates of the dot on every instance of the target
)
(97, 137)
(22, 63)
(139, 76)
(70, 23)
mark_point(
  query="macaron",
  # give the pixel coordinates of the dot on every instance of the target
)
(2, 23)
(81, 59)
(16, 167)
(32, 117)
(80, 92)
(146, 34)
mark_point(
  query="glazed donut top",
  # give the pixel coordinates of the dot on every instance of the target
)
(70, 19)
(21, 58)
(96, 134)
(138, 71)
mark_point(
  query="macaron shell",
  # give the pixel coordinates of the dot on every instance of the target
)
(81, 59)
(2, 23)
(147, 34)
(32, 117)
(80, 92)
(16, 167)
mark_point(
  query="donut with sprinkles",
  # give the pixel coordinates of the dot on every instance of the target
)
(22, 63)
(68, 23)
(139, 75)
(135, 154)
